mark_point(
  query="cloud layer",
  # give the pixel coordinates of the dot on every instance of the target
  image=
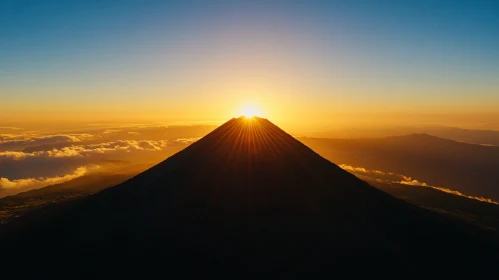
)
(31, 159)
(88, 150)
(40, 182)
(389, 177)
(9, 187)
(24, 140)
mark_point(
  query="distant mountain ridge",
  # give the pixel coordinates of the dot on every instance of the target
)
(468, 168)
(472, 136)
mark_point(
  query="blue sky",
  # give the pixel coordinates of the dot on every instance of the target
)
(426, 53)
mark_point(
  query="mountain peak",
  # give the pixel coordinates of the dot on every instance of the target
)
(246, 197)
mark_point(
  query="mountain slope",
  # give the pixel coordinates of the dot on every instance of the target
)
(12, 207)
(245, 199)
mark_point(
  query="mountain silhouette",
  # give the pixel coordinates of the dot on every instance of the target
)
(246, 200)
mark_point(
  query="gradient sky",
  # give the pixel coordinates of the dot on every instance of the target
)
(304, 63)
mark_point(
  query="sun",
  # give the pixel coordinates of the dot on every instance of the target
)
(250, 111)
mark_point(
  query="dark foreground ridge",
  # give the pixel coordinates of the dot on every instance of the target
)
(246, 200)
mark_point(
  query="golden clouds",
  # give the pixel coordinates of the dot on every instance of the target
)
(33, 183)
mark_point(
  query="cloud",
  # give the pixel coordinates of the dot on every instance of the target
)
(9, 128)
(108, 131)
(31, 155)
(187, 141)
(371, 174)
(5, 137)
(381, 176)
(13, 186)
(409, 181)
(353, 169)
(89, 149)
(487, 145)
(127, 145)
(15, 155)
(483, 199)
(22, 141)
(406, 180)
(60, 161)
(363, 170)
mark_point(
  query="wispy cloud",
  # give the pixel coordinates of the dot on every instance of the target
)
(22, 141)
(187, 141)
(15, 155)
(6, 137)
(406, 180)
(381, 176)
(363, 170)
(412, 182)
(89, 149)
(10, 128)
(111, 131)
(34, 183)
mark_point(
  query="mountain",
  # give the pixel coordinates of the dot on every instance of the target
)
(246, 200)
(467, 168)
(473, 136)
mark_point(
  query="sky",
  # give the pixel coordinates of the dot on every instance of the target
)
(306, 65)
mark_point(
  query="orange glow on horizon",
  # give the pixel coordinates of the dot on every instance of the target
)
(250, 110)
